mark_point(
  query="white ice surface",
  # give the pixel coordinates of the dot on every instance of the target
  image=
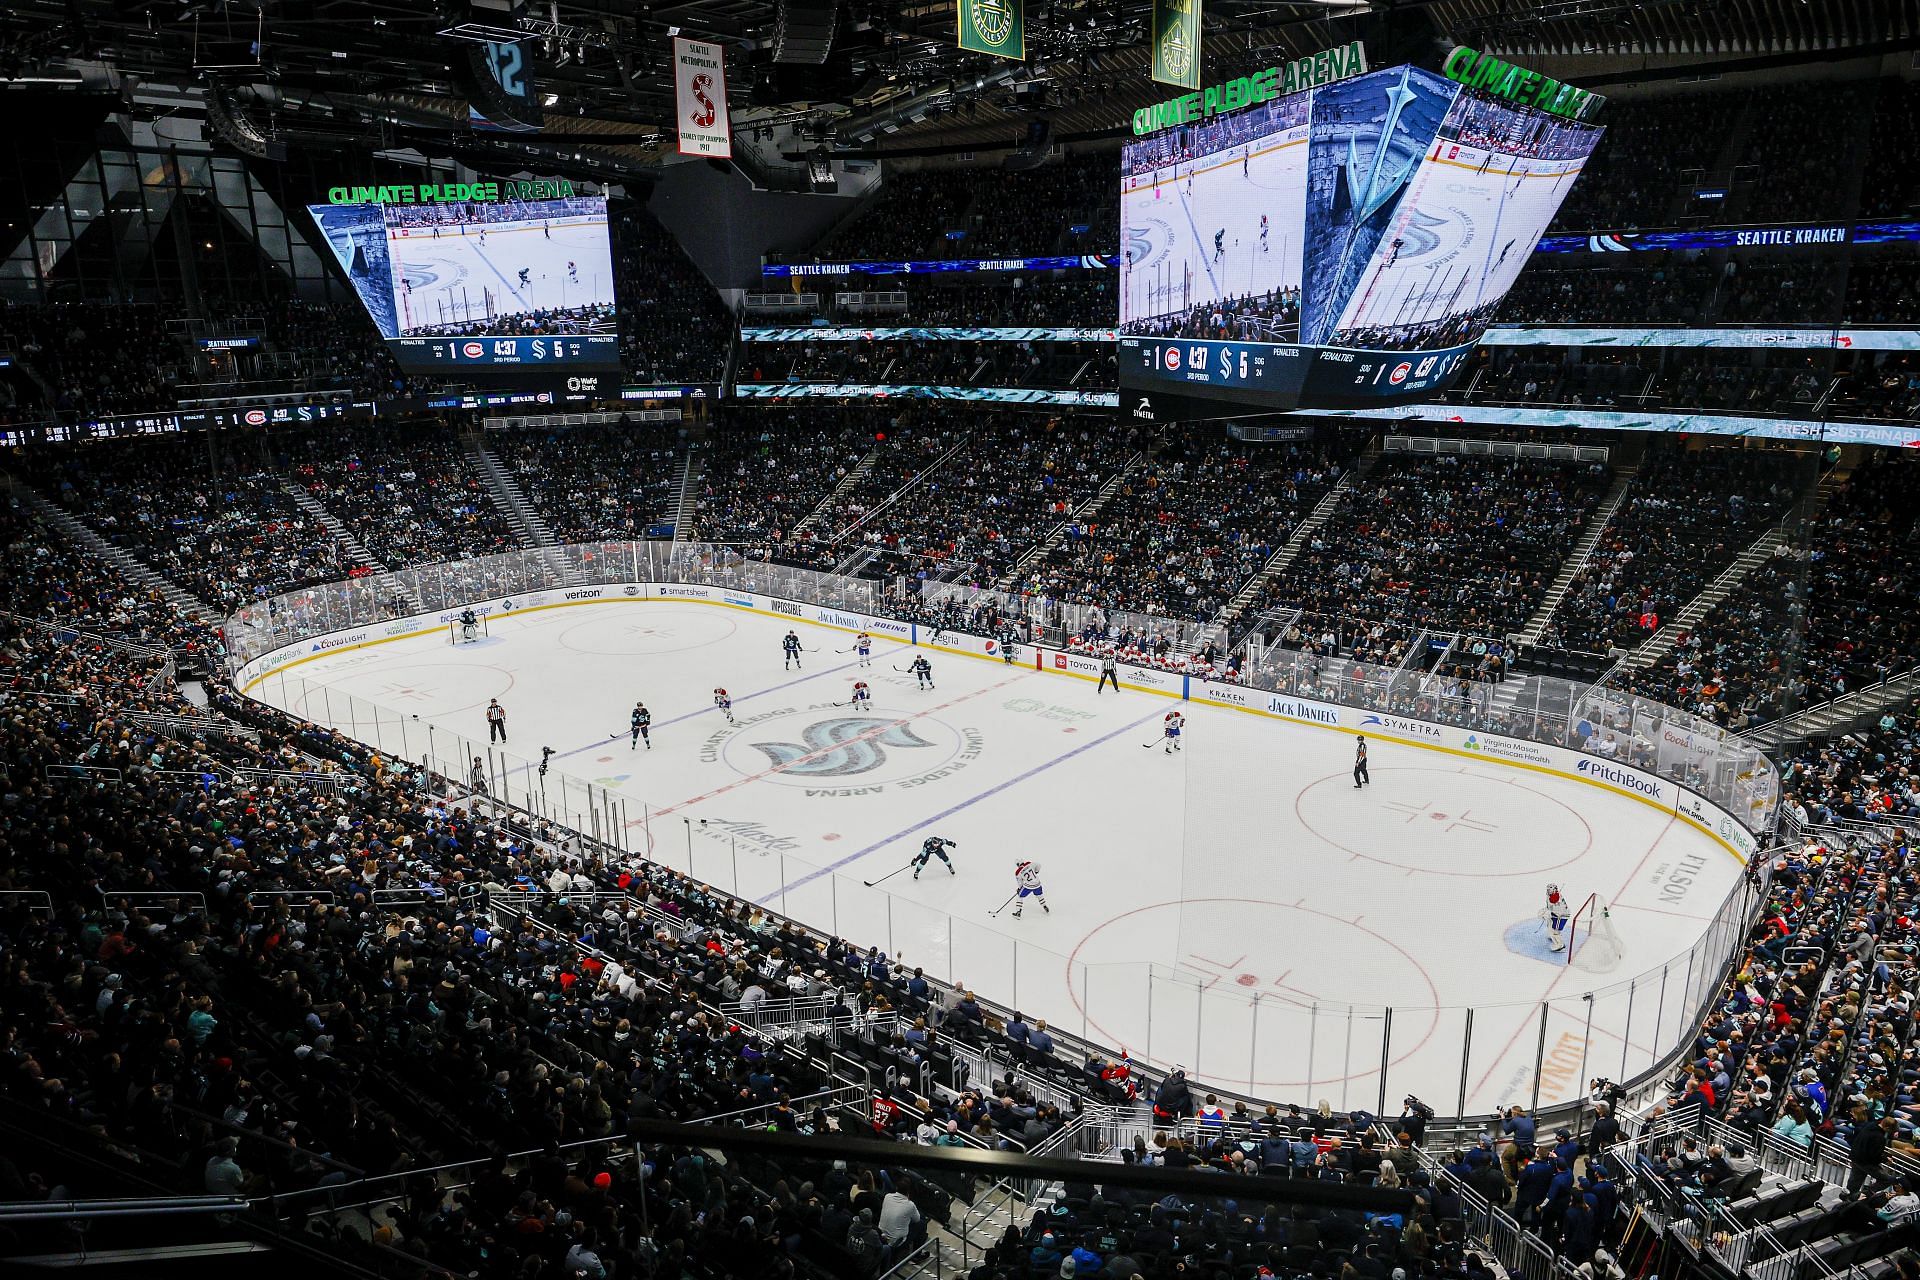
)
(1325, 903)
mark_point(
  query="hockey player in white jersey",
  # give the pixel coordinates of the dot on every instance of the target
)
(1170, 726)
(1027, 875)
(863, 649)
(1556, 914)
(724, 701)
(862, 696)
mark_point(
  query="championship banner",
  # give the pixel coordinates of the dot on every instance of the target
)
(1176, 42)
(700, 98)
(998, 27)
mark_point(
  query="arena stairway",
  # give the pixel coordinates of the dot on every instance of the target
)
(354, 547)
(1763, 549)
(526, 522)
(125, 563)
(1086, 511)
(1610, 505)
(853, 477)
(686, 503)
(1302, 533)
(913, 482)
(1837, 715)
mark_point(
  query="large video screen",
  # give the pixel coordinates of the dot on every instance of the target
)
(1339, 247)
(502, 283)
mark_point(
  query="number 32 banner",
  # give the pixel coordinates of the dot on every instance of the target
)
(700, 98)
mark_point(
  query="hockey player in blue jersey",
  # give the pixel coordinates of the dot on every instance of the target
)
(791, 647)
(922, 670)
(641, 725)
(935, 847)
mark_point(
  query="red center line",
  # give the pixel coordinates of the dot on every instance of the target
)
(827, 750)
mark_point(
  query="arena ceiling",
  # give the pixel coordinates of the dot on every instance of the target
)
(383, 73)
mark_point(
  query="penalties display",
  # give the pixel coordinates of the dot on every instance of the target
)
(1340, 247)
(479, 275)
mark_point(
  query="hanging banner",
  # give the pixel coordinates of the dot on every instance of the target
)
(1176, 42)
(700, 98)
(998, 27)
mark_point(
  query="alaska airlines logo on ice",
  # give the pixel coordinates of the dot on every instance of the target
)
(1619, 777)
(840, 747)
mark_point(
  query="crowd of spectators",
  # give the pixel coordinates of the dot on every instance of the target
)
(1762, 291)
(407, 491)
(1894, 191)
(1802, 138)
(1187, 528)
(1688, 513)
(1881, 288)
(214, 519)
(766, 471)
(594, 483)
(673, 326)
(1526, 375)
(1632, 180)
(1823, 617)
(93, 359)
(1083, 298)
(1081, 366)
(1670, 291)
(1011, 483)
(975, 213)
(1445, 544)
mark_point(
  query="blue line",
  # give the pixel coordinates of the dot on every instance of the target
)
(994, 790)
(1206, 263)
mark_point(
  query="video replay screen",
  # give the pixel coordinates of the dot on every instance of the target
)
(509, 283)
(1340, 247)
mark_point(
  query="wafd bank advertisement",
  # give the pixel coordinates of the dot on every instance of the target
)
(1341, 247)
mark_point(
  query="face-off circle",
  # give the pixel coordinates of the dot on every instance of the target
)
(645, 630)
(1440, 821)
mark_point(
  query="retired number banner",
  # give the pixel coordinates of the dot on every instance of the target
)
(997, 27)
(1176, 42)
(700, 98)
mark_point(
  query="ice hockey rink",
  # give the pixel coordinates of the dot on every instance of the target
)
(1238, 908)
(1172, 215)
(462, 276)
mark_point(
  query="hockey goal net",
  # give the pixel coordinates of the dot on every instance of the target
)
(459, 632)
(1592, 943)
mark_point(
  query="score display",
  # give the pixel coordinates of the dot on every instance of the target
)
(1340, 247)
(512, 283)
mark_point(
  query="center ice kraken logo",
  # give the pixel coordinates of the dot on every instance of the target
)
(841, 747)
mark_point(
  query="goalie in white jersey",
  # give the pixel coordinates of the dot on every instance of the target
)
(1027, 875)
(1556, 914)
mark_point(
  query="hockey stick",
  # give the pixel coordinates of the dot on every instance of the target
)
(905, 671)
(1003, 906)
(1150, 745)
(890, 875)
